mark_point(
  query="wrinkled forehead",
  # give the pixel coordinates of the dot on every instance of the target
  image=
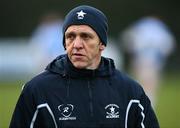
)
(80, 29)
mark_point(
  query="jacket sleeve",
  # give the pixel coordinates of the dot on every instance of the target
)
(139, 112)
(24, 110)
(145, 114)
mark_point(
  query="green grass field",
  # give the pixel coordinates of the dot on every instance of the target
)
(167, 109)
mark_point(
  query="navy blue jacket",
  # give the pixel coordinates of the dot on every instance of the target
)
(66, 97)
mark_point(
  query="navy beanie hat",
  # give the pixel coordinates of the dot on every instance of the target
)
(87, 15)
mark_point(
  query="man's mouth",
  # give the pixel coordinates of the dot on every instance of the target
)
(78, 54)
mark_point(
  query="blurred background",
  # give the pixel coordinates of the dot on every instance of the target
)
(25, 26)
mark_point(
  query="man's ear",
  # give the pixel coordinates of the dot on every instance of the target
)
(102, 47)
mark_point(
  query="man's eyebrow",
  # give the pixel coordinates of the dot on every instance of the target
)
(80, 33)
(86, 33)
(70, 33)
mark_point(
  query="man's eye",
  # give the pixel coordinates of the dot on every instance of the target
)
(86, 36)
(70, 37)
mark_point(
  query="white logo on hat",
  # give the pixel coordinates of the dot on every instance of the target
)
(81, 14)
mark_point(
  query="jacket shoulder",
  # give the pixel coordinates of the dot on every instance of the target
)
(42, 80)
(128, 84)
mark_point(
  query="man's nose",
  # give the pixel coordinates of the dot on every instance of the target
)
(78, 42)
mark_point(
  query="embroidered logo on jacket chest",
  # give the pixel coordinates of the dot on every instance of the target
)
(66, 111)
(112, 111)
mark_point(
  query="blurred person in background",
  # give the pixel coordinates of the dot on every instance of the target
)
(149, 42)
(83, 89)
(46, 38)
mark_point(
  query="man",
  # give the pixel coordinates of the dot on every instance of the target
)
(82, 89)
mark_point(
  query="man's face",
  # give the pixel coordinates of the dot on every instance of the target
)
(83, 46)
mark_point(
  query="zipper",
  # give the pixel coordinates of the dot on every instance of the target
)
(90, 99)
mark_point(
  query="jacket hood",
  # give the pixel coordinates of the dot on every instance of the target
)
(63, 66)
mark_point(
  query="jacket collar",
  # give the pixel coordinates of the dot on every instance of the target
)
(63, 66)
